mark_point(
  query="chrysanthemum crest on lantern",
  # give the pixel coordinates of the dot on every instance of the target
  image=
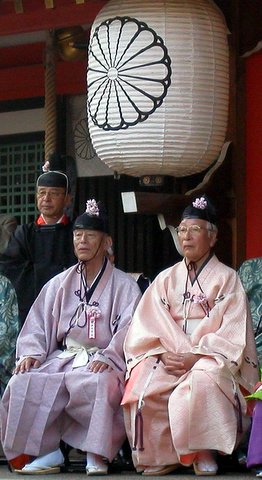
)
(92, 208)
(200, 203)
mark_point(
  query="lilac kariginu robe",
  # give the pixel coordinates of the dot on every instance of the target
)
(62, 399)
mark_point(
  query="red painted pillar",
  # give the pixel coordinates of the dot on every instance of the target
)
(254, 155)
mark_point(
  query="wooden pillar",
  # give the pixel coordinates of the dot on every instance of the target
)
(236, 132)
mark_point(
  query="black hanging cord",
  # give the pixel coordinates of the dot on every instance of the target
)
(192, 266)
(84, 294)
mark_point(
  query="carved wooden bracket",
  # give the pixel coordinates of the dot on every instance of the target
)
(19, 6)
(169, 206)
(49, 4)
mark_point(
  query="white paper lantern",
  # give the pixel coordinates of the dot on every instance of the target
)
(158, 86)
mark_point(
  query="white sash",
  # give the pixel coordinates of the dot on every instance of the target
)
(82, 354)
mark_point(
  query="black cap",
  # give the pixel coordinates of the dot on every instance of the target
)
(53, 179)
(53, 175)
(94, 218)
(201, 208)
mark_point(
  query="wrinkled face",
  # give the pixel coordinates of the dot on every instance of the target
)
(51, 201)
(195, 238)
(89, 244)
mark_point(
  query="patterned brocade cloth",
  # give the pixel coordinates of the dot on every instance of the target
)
(9, 328)
(168, 419)
(250, 273)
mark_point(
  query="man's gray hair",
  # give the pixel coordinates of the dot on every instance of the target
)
(8, 225)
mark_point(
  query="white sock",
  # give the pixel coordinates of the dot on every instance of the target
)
(51, 459)
(94, 460)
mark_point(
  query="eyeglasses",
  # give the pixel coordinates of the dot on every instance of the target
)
(47, 193)
(193, 229)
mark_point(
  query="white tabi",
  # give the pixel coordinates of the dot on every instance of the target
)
(62, 399)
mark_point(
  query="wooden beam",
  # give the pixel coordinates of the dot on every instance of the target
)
(20, 55)
(39, 19)
(70, 80)
(31, 82)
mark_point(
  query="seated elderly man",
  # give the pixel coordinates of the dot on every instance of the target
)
(69, 376)
(190, 355)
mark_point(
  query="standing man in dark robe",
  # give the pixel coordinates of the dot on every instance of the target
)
(40, 250)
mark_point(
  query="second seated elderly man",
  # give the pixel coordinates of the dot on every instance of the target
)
(191, 357)
(72, 393)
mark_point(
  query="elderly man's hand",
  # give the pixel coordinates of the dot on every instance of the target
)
(97, 367)
(178, 363)
(26, 364)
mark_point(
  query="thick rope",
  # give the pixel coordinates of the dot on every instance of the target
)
(50, 96)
